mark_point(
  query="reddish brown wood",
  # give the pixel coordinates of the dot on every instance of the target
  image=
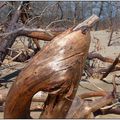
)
(40, 34)
(56, 69)
(55, 66)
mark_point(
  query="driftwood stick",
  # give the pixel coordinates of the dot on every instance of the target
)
(36, 108)
(93, 94)
(86, 108)
(110, 111)
(40, 34)
(82, 109)
(2, 4)
(103, 70)
(111, 67)
(92, 55)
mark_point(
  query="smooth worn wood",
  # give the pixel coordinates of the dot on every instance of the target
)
(56, 69)
(39, 34)
(83, 109)
(36, 98)
(86, 108)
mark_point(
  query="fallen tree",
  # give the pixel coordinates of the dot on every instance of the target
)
(56, 69)
(7, 42)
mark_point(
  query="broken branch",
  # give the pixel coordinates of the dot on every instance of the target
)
(111, 67)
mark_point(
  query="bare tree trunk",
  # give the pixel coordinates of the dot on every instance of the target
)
(59, 6)
(111, 33)
(8, 41)
(100, 12)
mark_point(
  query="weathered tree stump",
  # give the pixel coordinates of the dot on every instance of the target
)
(56, 69)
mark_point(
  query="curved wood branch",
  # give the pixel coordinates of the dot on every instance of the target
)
(93, 94)
(100, 57)
(111, 67)
(110, 111)
(45, 35)
(85, 108)
(59, 66)
(40, 34)
(36, 98)
(56, 69)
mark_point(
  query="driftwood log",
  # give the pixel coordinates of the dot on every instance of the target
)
(56, 69)
(86, 108)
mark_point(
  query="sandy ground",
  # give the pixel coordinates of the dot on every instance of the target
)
(99, 40)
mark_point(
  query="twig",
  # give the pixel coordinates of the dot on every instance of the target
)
(96, 86)
(86, 87)
(114, 86)
(110, 37)
(110, 106)
(2, 4)
(30, 20)
(56, 21)
(15, 56)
